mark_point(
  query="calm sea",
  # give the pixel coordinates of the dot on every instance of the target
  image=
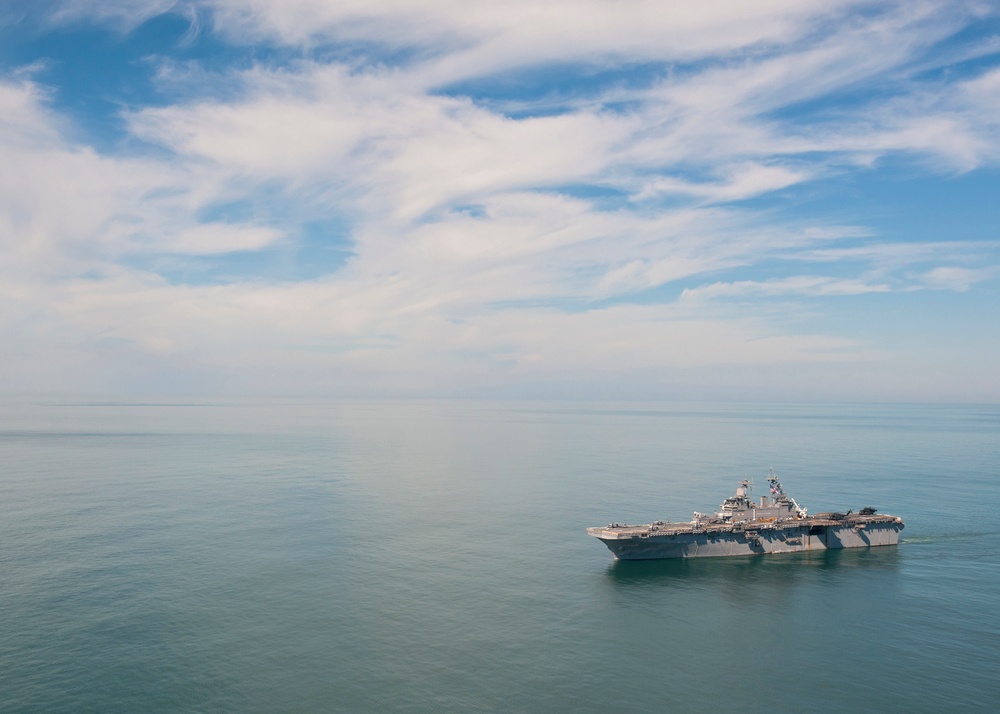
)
(429, 556)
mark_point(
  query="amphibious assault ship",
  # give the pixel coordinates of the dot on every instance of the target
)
(775, 524)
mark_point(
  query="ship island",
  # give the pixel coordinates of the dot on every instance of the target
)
(742, 526)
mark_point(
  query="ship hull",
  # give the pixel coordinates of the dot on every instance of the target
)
(805, 538)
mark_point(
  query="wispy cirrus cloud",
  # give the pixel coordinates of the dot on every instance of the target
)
(956, 278)
(738, 182)
(811, 285)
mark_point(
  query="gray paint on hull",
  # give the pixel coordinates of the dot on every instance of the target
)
(793, 540)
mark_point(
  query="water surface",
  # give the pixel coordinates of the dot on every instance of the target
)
(426, 556)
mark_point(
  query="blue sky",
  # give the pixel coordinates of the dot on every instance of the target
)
(588, 199)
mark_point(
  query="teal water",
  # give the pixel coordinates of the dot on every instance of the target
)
(428, 556)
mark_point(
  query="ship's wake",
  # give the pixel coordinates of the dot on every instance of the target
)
(943, 537)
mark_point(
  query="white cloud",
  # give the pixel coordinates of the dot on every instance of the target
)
(890, 257)
(810, 285)
(288, 123)
(740, 182)
(211, 238)
(955, 278)
(23, 121)
(123, 14)
(481, 36)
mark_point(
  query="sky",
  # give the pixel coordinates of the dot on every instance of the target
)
(596, 199)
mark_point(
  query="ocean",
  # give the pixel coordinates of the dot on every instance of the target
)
(430, 556)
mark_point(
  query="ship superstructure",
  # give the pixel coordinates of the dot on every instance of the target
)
(742, 526)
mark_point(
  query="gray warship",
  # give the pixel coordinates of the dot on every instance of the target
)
(774, 524)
